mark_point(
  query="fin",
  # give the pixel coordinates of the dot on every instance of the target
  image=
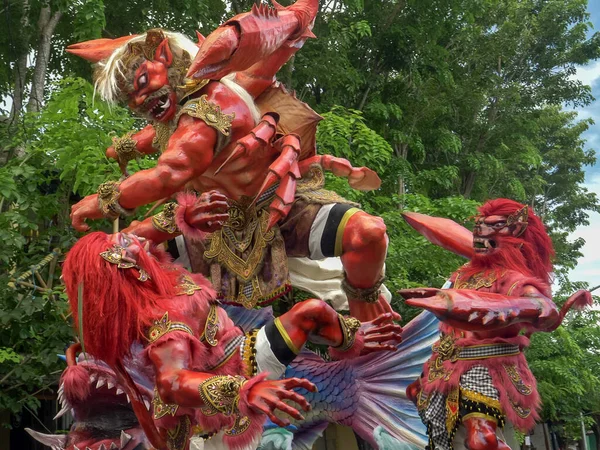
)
(386, 441)
(276, 439)
(370, 391)
(305, 439)
(442, 232)
(248, 319)
(385, 377)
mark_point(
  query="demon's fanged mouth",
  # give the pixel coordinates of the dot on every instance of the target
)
(159, 107)
(483, 245)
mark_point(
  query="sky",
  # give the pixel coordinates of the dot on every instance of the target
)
(588, 268)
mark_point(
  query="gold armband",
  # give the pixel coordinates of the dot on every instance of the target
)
(350, 327)
(108, 200)
(368, 295)
(126, 148)
(165, 220)
(221, 394)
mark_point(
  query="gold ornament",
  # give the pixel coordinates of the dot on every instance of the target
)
(349, 326)
(126, 148)
(163, 326)
(108, 200)
(221, 394)
(115, 254)
(210, 113)
(165, 220)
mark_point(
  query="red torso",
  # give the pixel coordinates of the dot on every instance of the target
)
(245, 175)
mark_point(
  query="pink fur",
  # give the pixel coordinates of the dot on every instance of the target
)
(187, 200)
(257, 419)
(76, 381)
(352, 352)
(501, 381)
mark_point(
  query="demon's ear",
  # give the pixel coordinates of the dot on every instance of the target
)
(163, 53)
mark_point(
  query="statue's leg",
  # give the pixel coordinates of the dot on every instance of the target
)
(481, 433)
(364, 248)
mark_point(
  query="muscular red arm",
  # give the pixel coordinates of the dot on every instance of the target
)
(189, 153)
(146, 230)
(175, 383)
(473, 310)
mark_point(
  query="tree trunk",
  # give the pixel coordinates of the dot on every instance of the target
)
(401, 151)
(20, 70)
(46, 26)
(468, 183)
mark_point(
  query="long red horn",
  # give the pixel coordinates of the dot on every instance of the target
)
(98, 49)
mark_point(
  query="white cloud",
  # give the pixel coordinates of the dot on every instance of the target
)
(589, 74)
(588, 267)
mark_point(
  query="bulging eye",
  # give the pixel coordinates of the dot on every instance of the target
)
(142, 81)
(499, 225)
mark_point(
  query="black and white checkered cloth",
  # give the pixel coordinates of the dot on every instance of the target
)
(229, 349)
(488, 351)
(478, 379)
(434, 417)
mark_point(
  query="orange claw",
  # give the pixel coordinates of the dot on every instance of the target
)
(259, 137)
(361, 178)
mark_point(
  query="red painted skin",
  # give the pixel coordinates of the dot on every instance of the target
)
(482, 315)
(239, 169)
(311, 320)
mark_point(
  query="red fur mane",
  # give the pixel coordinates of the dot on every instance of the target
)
(117, 307)
(530, 254)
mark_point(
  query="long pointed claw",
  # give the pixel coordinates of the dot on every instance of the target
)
(238, 151)
(277, 214)
(270, 180)
(438, 305)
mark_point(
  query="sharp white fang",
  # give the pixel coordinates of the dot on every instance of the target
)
(125, 438)
(102, 447)
(65, 409)
(110, 384)
(147, 403)
(119, 391)
(113, 446)
(128, 400)
(166, 104)
(93, 377)
(101, 382)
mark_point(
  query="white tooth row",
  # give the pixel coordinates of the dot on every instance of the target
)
(101, 381)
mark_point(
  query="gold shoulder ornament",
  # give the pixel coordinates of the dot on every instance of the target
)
(209, 112)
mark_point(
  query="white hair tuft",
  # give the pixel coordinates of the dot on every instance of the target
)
(108, 71)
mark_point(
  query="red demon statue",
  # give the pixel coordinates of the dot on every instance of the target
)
(227, 129)
(477, 375)
(212, 380)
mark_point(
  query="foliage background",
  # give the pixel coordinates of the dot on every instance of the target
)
(452, 102)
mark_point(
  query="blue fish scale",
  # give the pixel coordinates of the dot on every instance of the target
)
(337, 391)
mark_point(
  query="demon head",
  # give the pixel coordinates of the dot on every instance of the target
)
(146, 72)
(508, 234)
